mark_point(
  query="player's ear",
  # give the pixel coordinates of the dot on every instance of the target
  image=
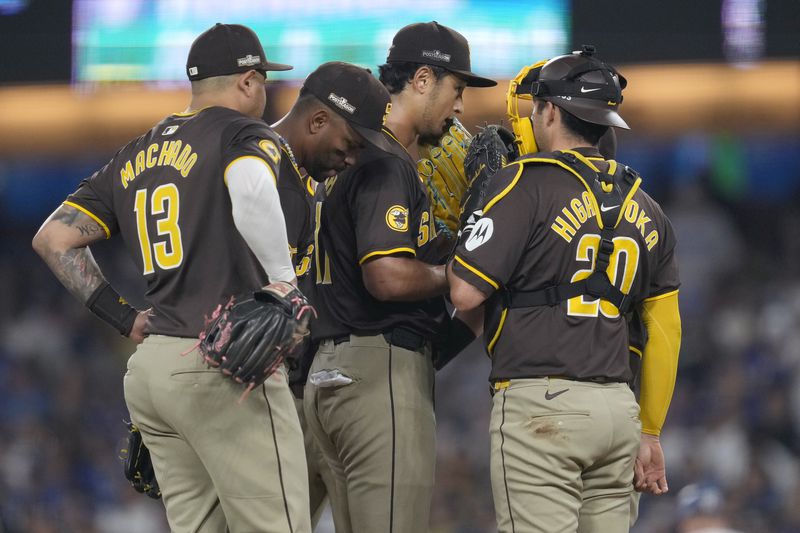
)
(248, 82)
(317, 120)
(243, 83)
(423, 79)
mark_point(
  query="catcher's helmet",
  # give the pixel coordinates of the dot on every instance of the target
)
(582, 85)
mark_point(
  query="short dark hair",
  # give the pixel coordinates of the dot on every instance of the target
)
(305, 99)
(587, 131)
(394, 76)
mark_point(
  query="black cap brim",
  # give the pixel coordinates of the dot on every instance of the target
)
(270, 67)
(375, 138)
(473, 80)
(586, 109)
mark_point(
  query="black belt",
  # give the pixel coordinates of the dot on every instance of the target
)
(401, 337)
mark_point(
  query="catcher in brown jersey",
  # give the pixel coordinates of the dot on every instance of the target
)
(564, 246)
(196, 203)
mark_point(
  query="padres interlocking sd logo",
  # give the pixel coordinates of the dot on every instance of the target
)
(397, 218)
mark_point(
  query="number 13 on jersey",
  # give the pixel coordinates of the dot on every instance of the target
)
(165, 200)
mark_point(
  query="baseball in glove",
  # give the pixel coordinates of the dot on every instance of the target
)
(441, 169)
(137, 466)
(249, 338)
(490, 150)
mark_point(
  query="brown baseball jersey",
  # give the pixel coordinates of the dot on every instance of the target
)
(539, 229)
(296, 193)
(165, 194)
(375, 208)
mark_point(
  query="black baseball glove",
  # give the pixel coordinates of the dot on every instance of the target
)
(137, 466)
(250, 338)
(490, 150)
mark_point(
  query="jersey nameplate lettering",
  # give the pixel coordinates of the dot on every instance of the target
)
(168, 154)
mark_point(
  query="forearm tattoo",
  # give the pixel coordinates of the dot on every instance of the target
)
(75, 267)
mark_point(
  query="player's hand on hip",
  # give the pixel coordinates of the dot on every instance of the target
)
(650, 474)
(141, 325)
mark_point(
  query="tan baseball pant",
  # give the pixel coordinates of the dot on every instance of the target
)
(221, 465)
(319, 475)
(377, 433)
(562, 456)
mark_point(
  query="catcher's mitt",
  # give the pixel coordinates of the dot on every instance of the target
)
(137, 466)
(490, 150)
(441, 169)
(248, 339)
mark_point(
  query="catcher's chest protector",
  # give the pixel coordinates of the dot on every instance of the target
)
(614, 188)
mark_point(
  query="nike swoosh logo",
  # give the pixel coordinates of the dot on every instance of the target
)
(548, 396)
(609, 208)
(585, 90)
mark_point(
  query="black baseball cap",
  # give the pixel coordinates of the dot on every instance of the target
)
(433, 44)
(355, 94)
(227, 49)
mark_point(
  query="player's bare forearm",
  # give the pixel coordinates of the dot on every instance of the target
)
(472, 318)
(465, 297)
(403, 279)
(62, 241)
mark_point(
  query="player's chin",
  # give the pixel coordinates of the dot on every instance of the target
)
(330, 172)
(432, 137)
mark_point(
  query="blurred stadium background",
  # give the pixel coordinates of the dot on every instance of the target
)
(714, 103)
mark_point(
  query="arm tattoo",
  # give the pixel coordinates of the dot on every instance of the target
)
(66, 215)
(89, 229)
(75, 267)
(77, 270)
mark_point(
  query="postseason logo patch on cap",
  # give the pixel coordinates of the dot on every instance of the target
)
(436, 55)
(342, 103)
(248, 61)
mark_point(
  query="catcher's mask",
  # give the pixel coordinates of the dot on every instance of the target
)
(521, 125)
(582, 85)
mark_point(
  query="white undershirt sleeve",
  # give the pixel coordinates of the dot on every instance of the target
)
(258, 216)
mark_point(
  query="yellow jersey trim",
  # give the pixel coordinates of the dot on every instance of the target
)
(566, 167)
(507, 190)
(661, 296)
(496, 336)
(92, 216)
(635, 350)
(390, 134)
(477, 272)
(269, 169)
(310, 186)
(387, 252)
(189, 113)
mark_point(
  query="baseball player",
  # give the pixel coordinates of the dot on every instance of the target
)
(196, 203)
(306, 144)
(565, 245)
(369, 397)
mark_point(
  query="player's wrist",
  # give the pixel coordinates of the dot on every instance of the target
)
(112, 308)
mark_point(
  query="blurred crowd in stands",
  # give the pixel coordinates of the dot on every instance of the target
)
(732, 437)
